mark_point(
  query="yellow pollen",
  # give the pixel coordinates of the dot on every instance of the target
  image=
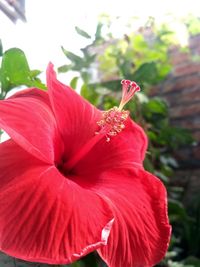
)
(113, 120)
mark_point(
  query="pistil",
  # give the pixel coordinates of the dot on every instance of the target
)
(111, 124)
(113, 120)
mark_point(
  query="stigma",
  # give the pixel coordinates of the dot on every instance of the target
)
(113, 120)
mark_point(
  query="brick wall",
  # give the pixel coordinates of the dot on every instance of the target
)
(182, 92)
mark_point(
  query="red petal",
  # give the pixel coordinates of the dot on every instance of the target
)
(126, 149)
(76, 118)
(29, 121)
(45, 217)
(141, 231)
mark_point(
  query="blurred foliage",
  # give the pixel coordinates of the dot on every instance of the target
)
(193, 25)
(141, 56)
(15, 71)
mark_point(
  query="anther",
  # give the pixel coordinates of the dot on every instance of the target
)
(113, 120)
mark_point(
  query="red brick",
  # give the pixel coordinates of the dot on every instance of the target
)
(182, 154)
(154, 90)
(190, 123)
(174, 49)
(183, 97)
(196, 135)
(195, 51)
(194, 41)
(191, 94)
(181, 83)
(185, 110)
(179, 58)
(182, 91)
(196, 152)
(186, 69)
(192, 184)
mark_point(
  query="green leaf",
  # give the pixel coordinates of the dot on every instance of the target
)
(114, 85)
(36, 81)
(152, 136)
(73, 82)
(146, 73)
(90, 260)
(88, 57)
(98, 34)
(76, 264)
(176, 210)
(38, 84)
(85, 76)
(64, 68)
(157, 106)
(193, 25)
(35, 73)
(90, 94)
(174, 137)
(14, 69)
(163, 177)
(77, 63)
(1, 48)
(148, 165)
(193, 261)
(156, 112)
(82, 32)
(168, 160)
(71, 56)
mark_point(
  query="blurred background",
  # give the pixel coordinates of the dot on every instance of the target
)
(95, 44)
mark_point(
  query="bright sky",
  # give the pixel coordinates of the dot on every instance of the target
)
(51, 23)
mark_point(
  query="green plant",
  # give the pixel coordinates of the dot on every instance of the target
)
(15, 71)
(141, 56)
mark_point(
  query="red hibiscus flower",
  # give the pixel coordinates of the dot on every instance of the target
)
(66, 191)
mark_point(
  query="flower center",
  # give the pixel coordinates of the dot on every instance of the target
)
(111, 124)
(112, 121)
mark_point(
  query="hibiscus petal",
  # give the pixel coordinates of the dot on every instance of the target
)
(29, 121)
(45, 217)
(76, 118)
(141, 231)
(128, 148)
